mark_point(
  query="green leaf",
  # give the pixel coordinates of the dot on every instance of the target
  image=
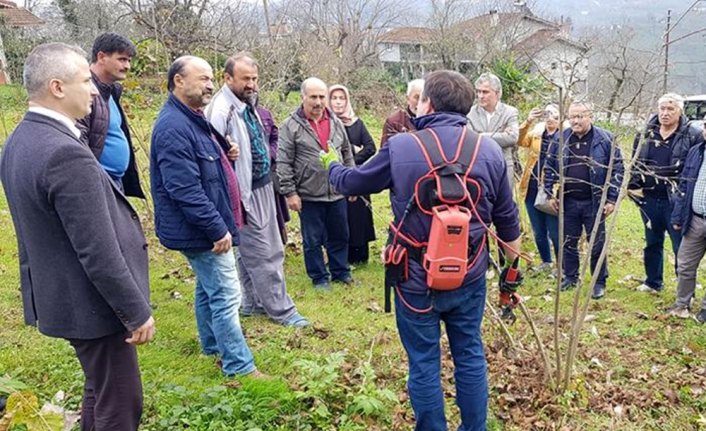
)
(8, 386)
(23, 407)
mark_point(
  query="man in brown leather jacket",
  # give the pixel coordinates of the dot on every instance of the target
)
(105, 129)
(400, 121)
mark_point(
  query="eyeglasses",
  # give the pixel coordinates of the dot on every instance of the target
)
(579, 116)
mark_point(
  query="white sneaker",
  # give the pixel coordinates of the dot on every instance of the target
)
(680, 312)
(645, 288)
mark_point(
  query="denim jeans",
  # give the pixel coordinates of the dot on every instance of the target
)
(325, 224)
(579, 216)
(217, 300)
(658, 212)
(461, 311)
(545, 227)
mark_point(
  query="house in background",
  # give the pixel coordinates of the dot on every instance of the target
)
(406, 51)
(13, 16)
(544, 47)
(557, 58)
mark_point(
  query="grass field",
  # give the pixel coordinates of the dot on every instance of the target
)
(636, 369)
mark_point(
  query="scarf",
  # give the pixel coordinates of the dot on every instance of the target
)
(348, 117)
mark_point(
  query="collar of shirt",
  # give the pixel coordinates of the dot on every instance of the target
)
(58, 116)
(234, 100)
(323, 117)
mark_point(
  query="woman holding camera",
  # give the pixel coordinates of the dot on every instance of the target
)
(537, 137)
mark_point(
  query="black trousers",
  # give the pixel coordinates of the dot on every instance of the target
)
(112, 394)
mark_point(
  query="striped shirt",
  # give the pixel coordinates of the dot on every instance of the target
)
(698, 203)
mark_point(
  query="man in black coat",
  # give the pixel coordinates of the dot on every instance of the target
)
(82, 252)
(105, 129)
(668, 137)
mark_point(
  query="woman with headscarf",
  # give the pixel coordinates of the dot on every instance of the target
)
(360, 216)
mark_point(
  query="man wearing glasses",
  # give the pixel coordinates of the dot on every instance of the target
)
(587, 154)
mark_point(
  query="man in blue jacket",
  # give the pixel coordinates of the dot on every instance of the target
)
(197, 208)
(588, 170)
(446, 99)
(689, 217)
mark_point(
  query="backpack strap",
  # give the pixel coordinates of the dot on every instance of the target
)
(446, 181)
(466, 149)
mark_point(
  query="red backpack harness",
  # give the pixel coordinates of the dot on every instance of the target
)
(449, 196)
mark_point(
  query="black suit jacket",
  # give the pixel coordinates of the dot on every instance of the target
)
(83, 255)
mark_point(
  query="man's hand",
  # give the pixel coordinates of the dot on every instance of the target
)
(294, 202)
(234, 151)
(328, 157)
(608, 208)
(676, 226)
(143, 334)
(352, 198)
(223, 245)
(554, 202)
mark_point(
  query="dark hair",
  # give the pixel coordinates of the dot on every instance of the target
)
(177, 68)
(448, 91)
(244, 57)
(109, 43)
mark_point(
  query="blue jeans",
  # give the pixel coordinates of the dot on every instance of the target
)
(658, 212)
(217, 300)
(325, 224)
(461, 311)
(580, 215)
(545, 227)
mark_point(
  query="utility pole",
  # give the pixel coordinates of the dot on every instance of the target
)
(668, 41)
(666, 51)
(267, 22)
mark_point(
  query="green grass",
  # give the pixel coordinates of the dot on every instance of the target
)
(630, 358)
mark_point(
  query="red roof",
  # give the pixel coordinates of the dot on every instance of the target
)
(408, 35)
(502, 20)
(14, 16)
(542, 39)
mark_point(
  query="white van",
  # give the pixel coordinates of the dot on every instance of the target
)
(695, 107)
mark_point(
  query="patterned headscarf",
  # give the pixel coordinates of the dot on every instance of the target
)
(348, 117)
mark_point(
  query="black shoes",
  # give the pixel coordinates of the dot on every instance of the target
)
(701, 316)
(598, 291)
(567, 285)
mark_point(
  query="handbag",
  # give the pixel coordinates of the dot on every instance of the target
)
(542, 202)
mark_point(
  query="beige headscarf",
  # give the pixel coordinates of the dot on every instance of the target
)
(348, 117)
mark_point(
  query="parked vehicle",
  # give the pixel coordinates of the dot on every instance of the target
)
(695, 107)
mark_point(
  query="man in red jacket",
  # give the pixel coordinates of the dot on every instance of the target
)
(400, 121)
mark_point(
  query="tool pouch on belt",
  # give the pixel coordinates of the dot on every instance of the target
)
(396, 270)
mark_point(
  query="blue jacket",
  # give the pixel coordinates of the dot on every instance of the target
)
(601, 147)
(399, 165)
(681, 214)
(189, 189)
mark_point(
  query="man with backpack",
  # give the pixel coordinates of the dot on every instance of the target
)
(462, 186)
